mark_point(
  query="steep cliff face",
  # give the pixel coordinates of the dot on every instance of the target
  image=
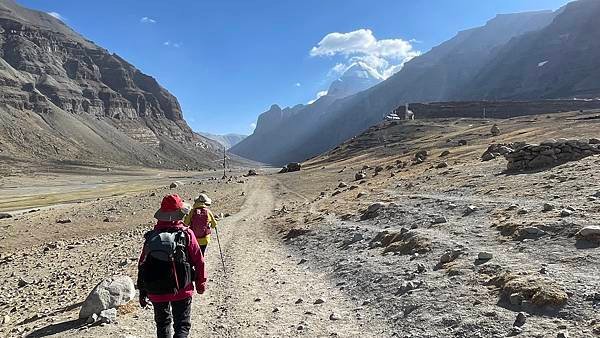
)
(86, 98)
(559, 61)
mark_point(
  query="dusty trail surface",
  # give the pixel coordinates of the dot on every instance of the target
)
(265, 292)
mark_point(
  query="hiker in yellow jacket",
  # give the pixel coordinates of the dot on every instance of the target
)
(201, 220)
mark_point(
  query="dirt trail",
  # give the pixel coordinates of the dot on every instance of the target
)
(258, 294)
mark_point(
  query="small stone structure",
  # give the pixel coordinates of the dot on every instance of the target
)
(550, 153)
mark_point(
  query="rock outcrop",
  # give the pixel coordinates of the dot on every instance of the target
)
(64, 98)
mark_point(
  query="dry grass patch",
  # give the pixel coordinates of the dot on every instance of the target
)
(535, 289)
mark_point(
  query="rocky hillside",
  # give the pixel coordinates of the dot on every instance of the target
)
(277, 130)
(559, 61)
(63, 98)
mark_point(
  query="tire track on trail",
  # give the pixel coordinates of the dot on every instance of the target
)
(259, 294)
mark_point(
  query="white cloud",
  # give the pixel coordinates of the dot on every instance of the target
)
(387, 56)
(172, 44)
(57, 16)
(252, 126)
(319, 95)
(147, 20)
(298, 84)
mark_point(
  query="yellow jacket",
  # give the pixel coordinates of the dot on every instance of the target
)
(211, 221)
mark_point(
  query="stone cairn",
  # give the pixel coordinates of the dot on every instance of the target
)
(550, 153)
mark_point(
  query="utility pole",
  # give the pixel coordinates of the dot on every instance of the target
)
(224, 162)
(484, 113)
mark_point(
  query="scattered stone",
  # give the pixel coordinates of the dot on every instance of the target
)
(421, 268)
(319, 301)
(442, 165)
(302, 261)
(590, 233)
(547, 207)
(522, 211)
(64, 221)
(495, 131)
(360, 176)
(485, 256)
(563, 334)
(469, 210)
(4, 215)
(566, 213)
(536, 289)
(175, 184)
(251, 172)
(334, 316)
(445, 153)
(521, 319)
(109, 293)
(361, 194)
(23, 282)
(275, 310)
(299, 301)
(440, 220)
(450, 256)
(342, 185)
(6, 320)
(108, 316)
(373, 210)
(153, 194)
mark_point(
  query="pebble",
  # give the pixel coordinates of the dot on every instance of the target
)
(299, 301)
(319, 301)
(440, 220)
(548, 207)
(563, 334)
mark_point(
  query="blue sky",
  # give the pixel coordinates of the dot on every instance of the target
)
(229, 60)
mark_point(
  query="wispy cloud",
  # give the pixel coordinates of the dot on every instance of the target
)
(172, 44)
(147, 20)
(298, 84)
(252, 126)
(387, 56)
(57, 16)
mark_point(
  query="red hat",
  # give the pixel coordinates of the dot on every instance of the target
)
(172, 208)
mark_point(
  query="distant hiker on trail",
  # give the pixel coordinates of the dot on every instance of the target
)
(170, 263)
(201, 220)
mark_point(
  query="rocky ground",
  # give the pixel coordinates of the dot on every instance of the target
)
(443, 246)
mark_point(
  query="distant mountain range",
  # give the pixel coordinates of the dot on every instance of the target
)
(227, 140)
(64, 99)
(278, 129)
(525, 56)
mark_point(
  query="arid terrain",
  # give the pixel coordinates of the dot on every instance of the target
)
(450, 247)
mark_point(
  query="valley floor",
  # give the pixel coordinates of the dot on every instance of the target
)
(293, 239)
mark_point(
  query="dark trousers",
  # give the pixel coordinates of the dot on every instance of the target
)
(176, 313)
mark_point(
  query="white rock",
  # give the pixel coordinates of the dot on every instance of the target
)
(110, 293)
(108, 316)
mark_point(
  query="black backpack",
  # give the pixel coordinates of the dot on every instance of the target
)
(166, 268)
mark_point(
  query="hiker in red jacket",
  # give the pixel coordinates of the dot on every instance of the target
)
(170, 263)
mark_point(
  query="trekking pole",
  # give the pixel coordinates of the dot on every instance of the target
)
(220, 251)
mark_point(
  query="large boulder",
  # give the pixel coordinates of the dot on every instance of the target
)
(294, 166)
(110, 293)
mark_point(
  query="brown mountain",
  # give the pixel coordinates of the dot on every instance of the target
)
(63, 98)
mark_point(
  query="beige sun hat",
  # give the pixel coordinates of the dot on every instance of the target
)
(204, 199)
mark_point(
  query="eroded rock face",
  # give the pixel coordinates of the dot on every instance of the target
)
(78, 93)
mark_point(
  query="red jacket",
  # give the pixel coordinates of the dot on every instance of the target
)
(195, 257)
